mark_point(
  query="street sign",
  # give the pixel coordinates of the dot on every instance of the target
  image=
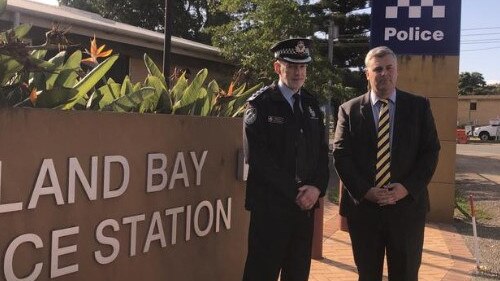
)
(417, 27)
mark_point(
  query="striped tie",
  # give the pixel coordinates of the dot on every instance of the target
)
(383, 176)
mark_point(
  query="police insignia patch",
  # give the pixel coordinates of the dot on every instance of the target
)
(312, 113)
(275, 119)
(250, 116)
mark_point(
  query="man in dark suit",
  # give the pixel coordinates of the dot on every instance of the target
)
(288, 169)
(386, 151)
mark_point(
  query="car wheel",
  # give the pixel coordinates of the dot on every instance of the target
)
(484, 136)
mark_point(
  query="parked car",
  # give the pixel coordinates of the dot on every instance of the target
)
(488, 132)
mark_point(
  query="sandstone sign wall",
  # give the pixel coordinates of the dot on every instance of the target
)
(106, 196)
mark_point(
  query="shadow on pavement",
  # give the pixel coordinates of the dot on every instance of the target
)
(464, 227)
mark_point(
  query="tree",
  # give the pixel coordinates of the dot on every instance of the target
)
(190, 15)
(246, 29)
(470, 83)
(256, 24)
(352, 43)
(349, 48)
(493, 89)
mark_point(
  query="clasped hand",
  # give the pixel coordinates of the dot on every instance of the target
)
(307, 197)
(387, 195)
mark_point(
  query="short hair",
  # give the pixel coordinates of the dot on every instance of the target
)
(379, 52)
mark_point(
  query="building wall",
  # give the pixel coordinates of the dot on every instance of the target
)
(436, 77)
(487, 107)
(156, 192)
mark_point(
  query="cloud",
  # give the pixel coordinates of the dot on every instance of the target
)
(491, 82)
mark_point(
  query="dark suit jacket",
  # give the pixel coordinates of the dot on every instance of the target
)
(414, 151)
(270, 138)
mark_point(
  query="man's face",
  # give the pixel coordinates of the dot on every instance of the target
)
(382, 74)
(293, 75)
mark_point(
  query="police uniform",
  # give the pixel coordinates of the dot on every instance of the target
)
(283, 154)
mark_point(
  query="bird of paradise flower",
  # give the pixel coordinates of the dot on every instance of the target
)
(95, 53)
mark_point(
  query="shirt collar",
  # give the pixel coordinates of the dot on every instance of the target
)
(285, 91)
(374, 98)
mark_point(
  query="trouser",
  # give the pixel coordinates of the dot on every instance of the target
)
(279, 241)
(397, 232)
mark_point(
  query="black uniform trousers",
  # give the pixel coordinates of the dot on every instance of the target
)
(279, 241)
(391, 230)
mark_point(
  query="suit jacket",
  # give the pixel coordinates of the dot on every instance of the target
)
(272, 145)
(414, 151)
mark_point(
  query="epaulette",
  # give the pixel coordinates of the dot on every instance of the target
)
(258, 93)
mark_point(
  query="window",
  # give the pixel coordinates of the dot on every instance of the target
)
(472, 105)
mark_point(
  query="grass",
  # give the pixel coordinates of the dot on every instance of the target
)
(332, 193)
(461, 203)
(463, 206)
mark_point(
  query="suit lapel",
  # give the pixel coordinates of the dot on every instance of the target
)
(401, 117)
(367, 114)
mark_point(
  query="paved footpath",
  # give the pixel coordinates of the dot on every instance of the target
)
(445, 256)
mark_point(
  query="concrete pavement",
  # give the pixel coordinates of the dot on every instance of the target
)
(445, 255)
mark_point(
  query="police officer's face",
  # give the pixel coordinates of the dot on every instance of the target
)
(293, 75)
(382, 74)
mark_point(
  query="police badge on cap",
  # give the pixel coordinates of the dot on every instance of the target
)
(294, 50)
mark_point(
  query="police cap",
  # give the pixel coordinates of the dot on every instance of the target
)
(295, 50)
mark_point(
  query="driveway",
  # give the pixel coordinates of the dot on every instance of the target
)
(478, 174)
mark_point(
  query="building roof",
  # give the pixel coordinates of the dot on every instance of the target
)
(479, 97)
(87, 24)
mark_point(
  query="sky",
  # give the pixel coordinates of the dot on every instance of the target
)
(480, 38)
(481, 53)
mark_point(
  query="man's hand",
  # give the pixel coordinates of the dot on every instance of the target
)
(388, 195)
(379, 196)
(307, 197)
(397, 191)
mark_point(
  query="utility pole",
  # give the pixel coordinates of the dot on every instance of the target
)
(333, 34)
(317, 245)
(169, 23)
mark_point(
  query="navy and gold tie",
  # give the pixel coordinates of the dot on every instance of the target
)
(383, 171)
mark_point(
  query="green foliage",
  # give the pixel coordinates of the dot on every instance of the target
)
(245, 29)
(493, 89)
(462, 204)
(194, 98)
(190, 15)
(88, 82)
(352, 42)
(332, 193)
(27, 79)
(3, 5)
(257, 24)
(469, 83)
(474, 84)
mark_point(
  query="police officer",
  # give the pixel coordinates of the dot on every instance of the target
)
(288, 169)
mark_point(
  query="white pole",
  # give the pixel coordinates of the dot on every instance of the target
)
(474, 230)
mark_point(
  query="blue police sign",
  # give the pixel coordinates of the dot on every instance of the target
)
(417, 27)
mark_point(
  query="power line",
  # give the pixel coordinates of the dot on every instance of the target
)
(481, 34)
(480, 28)
(481, 41)
(484, 49)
